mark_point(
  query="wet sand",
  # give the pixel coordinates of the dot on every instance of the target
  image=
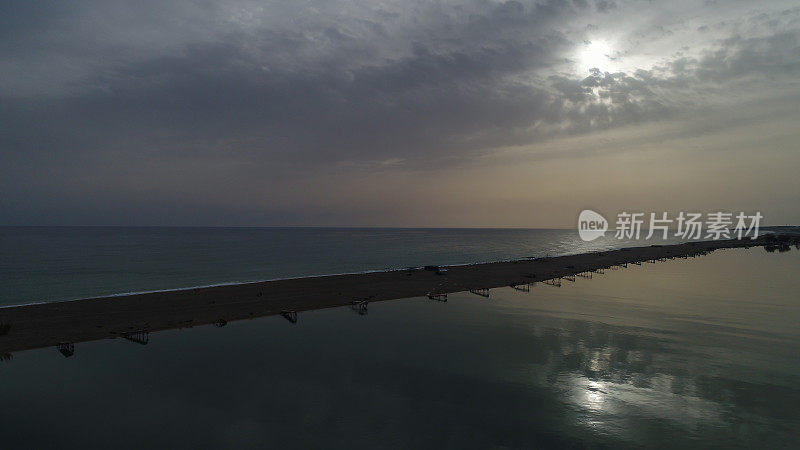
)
(49, 324)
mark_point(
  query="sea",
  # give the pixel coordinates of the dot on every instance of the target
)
(39, 264)
(687, 353)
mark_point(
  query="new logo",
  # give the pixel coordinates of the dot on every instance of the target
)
(591, 225)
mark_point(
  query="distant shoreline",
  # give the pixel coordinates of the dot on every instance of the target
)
(40, 325)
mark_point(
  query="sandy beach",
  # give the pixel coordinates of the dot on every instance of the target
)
(49, 324)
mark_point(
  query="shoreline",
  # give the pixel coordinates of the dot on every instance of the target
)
(299, 277)
(38, 325)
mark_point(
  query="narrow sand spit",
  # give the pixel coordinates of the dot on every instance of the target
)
(49, 324)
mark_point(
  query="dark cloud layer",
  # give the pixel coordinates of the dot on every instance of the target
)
(109, 87)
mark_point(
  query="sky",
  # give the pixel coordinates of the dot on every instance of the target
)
(396, 113)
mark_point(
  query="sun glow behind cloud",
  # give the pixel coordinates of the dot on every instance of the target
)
(596, 54)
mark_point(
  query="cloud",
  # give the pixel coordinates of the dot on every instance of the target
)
(280, 89)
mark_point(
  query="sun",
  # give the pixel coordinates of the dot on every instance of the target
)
(595, 54)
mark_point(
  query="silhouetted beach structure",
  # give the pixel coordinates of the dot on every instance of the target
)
(525, 287)
(781, 243)
(359, 306)
(290, 315)
(66, 348)
(553, 282)
(140, 337)
(438, 297)
(781, 248)
(481, 292)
